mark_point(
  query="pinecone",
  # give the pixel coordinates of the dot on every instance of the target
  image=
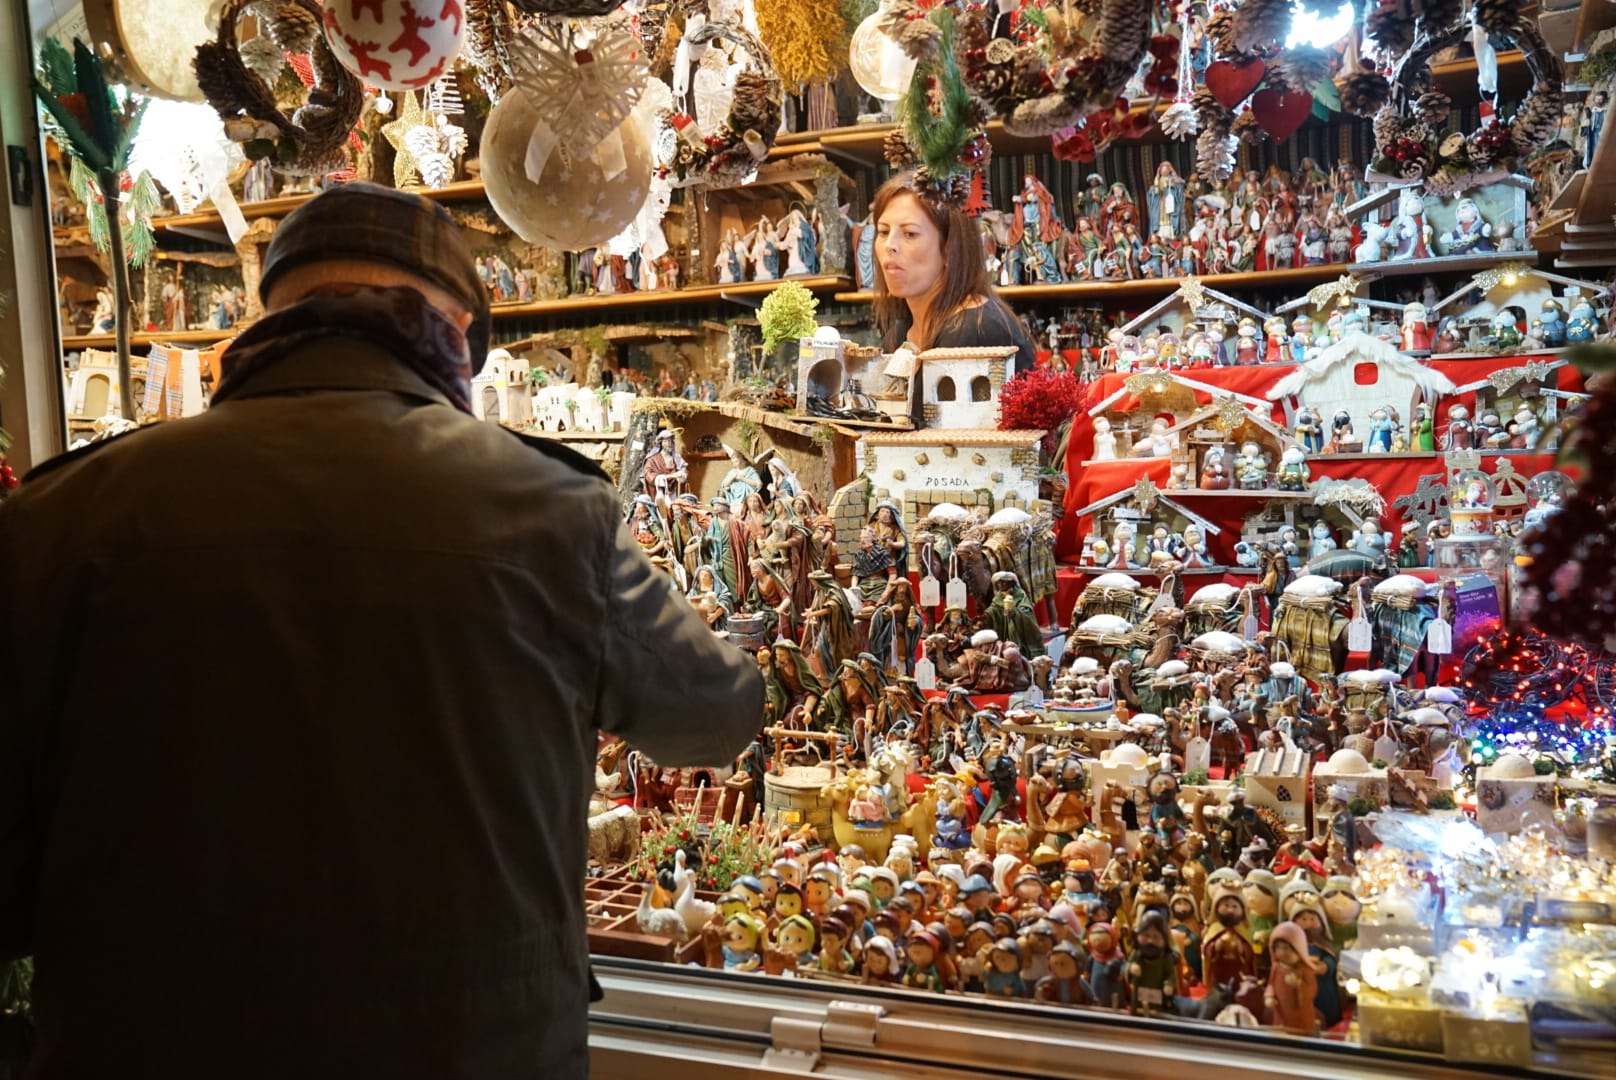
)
(1124, 29)
(1247, 129)
(263, 58)
(1497, 16)
(290, 26)
(488, 35)
(749, 108)
(899, 154)
(1434, 107)
(1387, 125)
(1210, 109)
(1220, 29)
(1440, 14)
(1537, 119)
(1302, 68)
(1260, 23)
(1363, 92)
(1390, 30)
(1215, 155)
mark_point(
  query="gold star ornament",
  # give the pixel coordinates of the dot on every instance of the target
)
(405, 165)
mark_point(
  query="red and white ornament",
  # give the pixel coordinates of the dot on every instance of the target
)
(396, 44)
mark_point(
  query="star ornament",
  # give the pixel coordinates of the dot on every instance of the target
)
(405, 164)
(1145, 494)
(1231, 414)
(1192, 292)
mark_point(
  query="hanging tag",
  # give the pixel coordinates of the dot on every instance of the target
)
(1197, 755)
(956, 593)
(931, 593)
(1360, 635)
(1164, 598)
(1439, 637)
(1248, 625)
(925, 673)
(1387, 750)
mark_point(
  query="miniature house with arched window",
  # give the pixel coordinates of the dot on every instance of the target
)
(959, 388)
(501, 392)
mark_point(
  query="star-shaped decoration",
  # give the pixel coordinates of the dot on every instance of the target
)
(1145, 494)
(1192, 292)
(1342, 290)
(1231, 414)
(405, 165)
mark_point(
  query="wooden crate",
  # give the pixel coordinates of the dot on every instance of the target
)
(611, 903)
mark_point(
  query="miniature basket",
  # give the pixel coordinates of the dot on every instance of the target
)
(1213, 660)
(1130, 604)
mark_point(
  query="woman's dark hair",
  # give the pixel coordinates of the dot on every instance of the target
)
(965, 271)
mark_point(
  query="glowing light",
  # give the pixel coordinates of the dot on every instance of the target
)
(1509, 279)
(1319, 29)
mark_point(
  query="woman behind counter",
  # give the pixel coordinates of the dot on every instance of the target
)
(931, 281)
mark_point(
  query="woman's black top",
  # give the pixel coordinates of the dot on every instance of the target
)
(986, 324)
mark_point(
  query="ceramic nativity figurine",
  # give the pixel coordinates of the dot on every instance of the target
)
(1470, 234)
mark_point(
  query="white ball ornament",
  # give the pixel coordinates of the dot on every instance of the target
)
(573, 205)
(878, 64)
(396, 44)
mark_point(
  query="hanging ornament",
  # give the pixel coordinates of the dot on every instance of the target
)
(396, 44)
(583, 80)
(426, 144)
(148, 46)
(878, 63)
(573, 203)
(1180, 120)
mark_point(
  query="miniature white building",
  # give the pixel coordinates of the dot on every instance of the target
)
(501, 391)
(1279, 779)
(1349, 770)
(971, 467)
(92, 387)
(959, 388)
(1510, 796)
(1358, 375)
(960, 456)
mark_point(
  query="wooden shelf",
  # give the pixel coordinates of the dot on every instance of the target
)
(285, 204)
(74, 342)
(701, 294)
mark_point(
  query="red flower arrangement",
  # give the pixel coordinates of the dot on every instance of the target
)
(1040, 399)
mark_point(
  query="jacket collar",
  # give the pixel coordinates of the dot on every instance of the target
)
(338, 363)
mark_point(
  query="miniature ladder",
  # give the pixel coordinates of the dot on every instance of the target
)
(704, 801)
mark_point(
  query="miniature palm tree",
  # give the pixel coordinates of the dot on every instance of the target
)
(98, 132)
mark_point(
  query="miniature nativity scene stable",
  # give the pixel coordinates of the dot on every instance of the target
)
(1205, 666)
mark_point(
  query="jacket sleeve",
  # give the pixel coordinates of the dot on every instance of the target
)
(668, 685)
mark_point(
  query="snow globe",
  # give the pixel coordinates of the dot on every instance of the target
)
(1470, 503)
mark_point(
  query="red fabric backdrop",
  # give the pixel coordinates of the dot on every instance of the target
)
(1392, 476)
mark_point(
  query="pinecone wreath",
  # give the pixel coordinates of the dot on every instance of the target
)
(1220, 30)
(1364, 91)
(1497, 16)
(1437, 15)
(1125, 29)
(1247, 129)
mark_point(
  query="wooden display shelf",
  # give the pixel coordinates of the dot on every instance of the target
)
(74, 342)
(1303, 276)
(282, 205)
(1144, 288)
(701, 294)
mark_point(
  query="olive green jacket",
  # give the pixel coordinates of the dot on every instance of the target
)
(298, 712)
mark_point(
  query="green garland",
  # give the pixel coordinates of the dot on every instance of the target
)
(938, 140)
(1599, 67)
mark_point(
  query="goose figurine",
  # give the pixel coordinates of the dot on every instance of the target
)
(696, 913)
(663, 922)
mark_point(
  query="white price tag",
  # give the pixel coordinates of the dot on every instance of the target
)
(956, 593)
(1248, 628)
(931, 593)
(1387, 750)
(1360, 635)
(925, 673)
(1197, 755)
(1439, 638)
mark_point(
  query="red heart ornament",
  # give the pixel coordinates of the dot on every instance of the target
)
(1281, 112)
(1232, 83)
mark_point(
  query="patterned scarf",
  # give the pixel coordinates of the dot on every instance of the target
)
(396, 319)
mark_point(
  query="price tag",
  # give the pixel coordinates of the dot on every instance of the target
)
(1197, 755)
(1360, 634)
(1249, 624)
(931, 594)
(956, 593)
(925, 673)
(1387, 749)
(1439, 637)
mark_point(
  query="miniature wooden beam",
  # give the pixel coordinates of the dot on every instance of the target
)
(1173, 377)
